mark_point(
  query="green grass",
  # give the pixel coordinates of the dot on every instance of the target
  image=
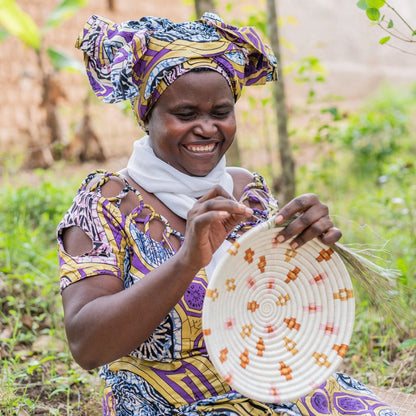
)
(38, 374)
(369, 179)
(371, 194)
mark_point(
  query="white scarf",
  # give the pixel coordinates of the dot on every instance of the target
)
(177, 190)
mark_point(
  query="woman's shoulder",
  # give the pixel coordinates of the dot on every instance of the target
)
(241, 178)
(99, 180)
(245, 180)
(114, 187)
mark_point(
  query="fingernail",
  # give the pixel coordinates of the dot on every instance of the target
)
(294, 245)
(280, 239)
(222, 214)
(278, 219)
(249, 211)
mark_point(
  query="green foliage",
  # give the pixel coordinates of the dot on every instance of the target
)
(259, 21)
(308, 70)
(19, 24)
(37, 367)
(61, 61)
(373, 134)
(3, 34)
(373, 14)
(64, 10)
(384, 40)
(402, 30)
(367, 174)
(376, 3)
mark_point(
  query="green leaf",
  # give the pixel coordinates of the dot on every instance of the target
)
(409, 343)
(19, 23)
(3, 34)
(61, 61)
(390, 25)
(376, 4)
(65, 10)
(384, 40)
(373, 14)
(333, 111)
(362, 4)
(414, 33)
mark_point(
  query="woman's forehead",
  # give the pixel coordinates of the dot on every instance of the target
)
(201, 85)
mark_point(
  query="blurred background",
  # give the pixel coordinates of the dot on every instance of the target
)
(340, 123)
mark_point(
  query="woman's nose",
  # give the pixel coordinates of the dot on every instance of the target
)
(205, 126)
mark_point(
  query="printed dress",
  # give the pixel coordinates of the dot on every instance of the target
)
(170, 373)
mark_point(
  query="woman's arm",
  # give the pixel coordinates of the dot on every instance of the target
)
(104, 322)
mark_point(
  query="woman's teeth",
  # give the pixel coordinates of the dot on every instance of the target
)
(200, 148)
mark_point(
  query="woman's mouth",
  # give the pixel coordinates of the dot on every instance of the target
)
(199, 148)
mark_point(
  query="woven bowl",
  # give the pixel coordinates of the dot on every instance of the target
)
(277, 322)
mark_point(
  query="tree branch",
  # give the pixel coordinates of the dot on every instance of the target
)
(400, 17)
(394, 34)
(400, 49)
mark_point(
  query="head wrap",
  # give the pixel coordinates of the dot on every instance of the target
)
(139, 59)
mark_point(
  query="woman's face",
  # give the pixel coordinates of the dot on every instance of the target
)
(193, 124)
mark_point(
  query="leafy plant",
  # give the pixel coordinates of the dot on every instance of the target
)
(38, 374)
(373, 134)
(369, 183)
(20, 24)
(384, 15)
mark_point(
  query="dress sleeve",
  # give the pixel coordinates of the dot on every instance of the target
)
(258, 197)
(103, 223)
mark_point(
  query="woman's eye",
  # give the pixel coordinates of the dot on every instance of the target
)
(221, 114)
(185, 116)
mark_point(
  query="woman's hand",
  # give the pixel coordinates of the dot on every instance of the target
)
(209, 222)
(313, 221)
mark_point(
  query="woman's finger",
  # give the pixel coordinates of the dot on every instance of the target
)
(331, 236)
(299, 205)
(217, 199)
(312, 220)
(316, 229)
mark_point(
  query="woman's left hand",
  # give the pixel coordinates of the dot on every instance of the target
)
(313, 221)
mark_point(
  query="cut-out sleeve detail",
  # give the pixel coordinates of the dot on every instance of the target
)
(122, 244)
(258, 197)
(102, 221)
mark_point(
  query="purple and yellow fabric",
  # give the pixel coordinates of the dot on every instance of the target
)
(139, 59)
(171, 373)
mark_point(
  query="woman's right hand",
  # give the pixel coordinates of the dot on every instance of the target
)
(209, 222)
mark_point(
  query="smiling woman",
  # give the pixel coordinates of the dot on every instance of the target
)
(191, 134)
(138, 247)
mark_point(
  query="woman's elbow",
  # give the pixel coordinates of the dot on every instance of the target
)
(82, 355)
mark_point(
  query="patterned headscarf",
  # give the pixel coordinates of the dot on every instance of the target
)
(139, 59)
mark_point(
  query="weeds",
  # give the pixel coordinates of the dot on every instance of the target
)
(369, 179)
(38, 375)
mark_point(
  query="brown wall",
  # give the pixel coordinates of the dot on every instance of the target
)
(20, 75)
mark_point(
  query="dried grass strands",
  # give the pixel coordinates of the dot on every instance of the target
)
(381, 283)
